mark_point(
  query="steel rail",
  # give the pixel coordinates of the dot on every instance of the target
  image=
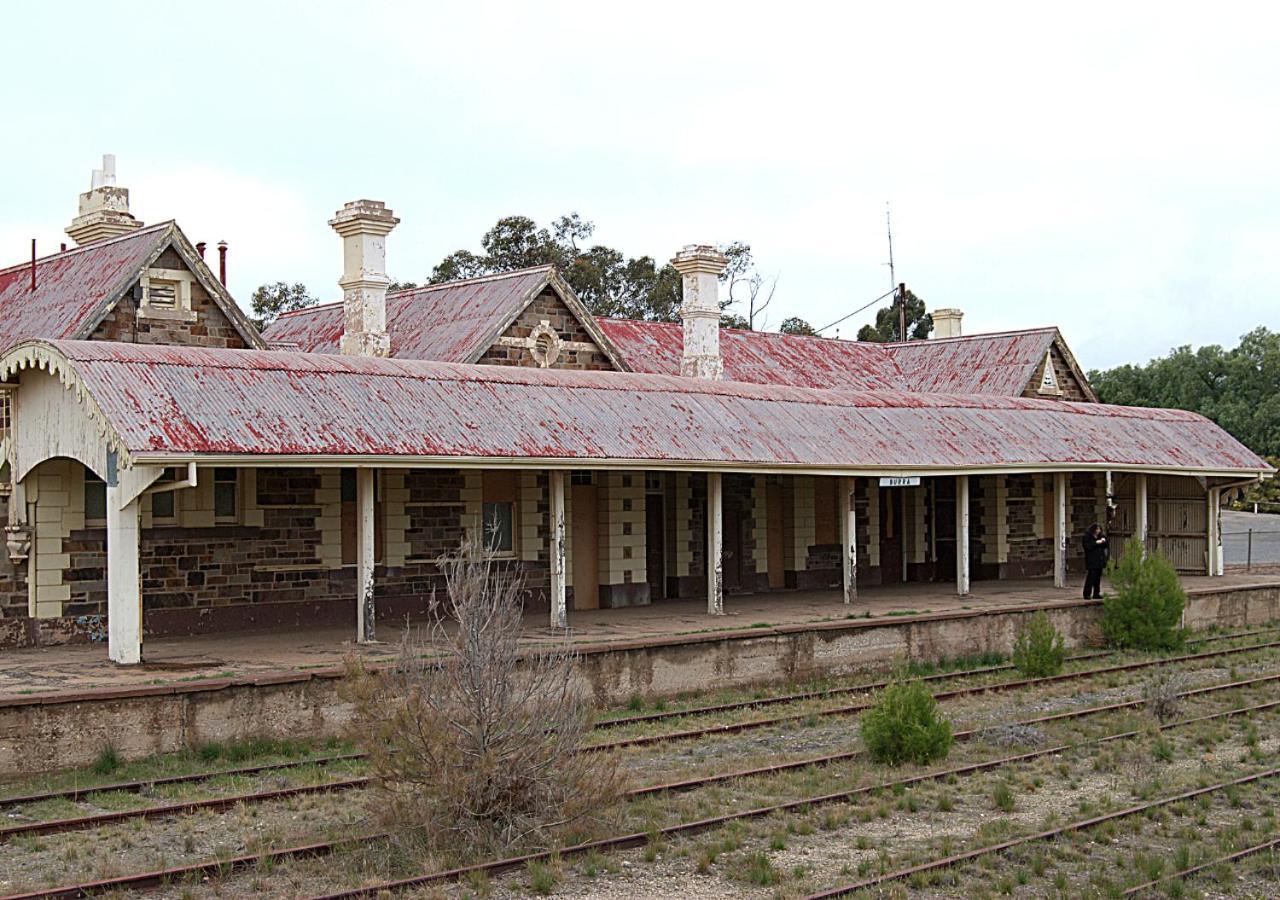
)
(134, 787)
(139, 785)
(750, 724)
(80, 823)
(635, 839)
(1047, 834)
(224, 866)
(875, 685)
(1195, 870)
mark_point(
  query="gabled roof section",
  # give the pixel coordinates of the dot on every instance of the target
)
(77, 288)
(452, 322)
(157, 403)
(1001, 363)
(760, 357)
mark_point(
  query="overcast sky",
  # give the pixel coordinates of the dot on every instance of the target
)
(1113, 169)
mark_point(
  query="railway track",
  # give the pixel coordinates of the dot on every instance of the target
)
(1047, 834)
(222, 867)
(80, 823)
(1136, 890)
(141, 785)
(649, 718)
(749, 724)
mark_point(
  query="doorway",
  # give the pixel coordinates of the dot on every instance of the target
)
(891, 543)
(584, 518)
(655, 546)
(774, 536)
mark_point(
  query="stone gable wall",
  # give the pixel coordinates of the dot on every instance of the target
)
(579, 352)
(211, 327)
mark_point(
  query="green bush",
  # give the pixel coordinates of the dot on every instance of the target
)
(1144, 610)
(904, 726)
(1038, 651)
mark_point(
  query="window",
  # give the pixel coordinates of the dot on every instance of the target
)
(95, 498)
(226, 495)
(579, 476)
(499, 526)
(350, 518)
(498, 511)
(164, 503)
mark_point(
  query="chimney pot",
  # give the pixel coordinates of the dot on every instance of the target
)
(700, 266)
(946, 323)
(104, 208)
(222, 262)
(363, 226)
(200, 248)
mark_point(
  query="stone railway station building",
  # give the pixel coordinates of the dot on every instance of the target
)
(169, 470)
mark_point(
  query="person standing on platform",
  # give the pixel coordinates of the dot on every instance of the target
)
(1096, 553)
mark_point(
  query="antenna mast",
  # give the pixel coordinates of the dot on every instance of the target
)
(888, 225)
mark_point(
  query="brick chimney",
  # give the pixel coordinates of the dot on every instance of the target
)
(104, 208)
(946, 323)
(364, 226)
(700, 266)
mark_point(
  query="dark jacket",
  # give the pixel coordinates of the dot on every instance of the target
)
(1096, 551)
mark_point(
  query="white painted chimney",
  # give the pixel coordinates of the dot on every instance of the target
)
(946, 323)
(104, 208)
(700, 266)
(364, 226)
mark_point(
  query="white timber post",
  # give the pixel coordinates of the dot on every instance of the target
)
(1140, 527)
(1059, 529)
(124, 586)
(849, 541)
(1214, 536)
(559, 613)
(962, 535)
(715, 544)
(364, 555)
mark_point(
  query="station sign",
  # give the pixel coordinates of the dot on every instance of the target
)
(900, 481)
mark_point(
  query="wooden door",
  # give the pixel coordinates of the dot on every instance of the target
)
(655, 546)
(774, 536)
(732, 559)
(586, 556)
(890, 535)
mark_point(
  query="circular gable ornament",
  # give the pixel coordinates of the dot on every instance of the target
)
(544, 344)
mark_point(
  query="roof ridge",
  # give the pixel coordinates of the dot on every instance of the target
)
(496, 276)
(92, 245)
(752, 331)
(970, 337)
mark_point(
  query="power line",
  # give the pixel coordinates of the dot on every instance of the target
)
(858, 310)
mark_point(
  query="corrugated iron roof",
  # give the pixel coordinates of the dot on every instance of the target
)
(1000, 363)
(72, 287)
(761, 357)
(445, 322)
(186, 400)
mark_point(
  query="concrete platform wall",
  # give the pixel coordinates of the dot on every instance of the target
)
(44, 733)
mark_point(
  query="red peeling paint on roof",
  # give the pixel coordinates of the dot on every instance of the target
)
(1000, 363)
(444, 322)
(761, 357)
(188, 400)
(72, 286)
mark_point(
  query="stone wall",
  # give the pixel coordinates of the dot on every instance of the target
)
(209, 327)
(1067, 382)
(578, 351)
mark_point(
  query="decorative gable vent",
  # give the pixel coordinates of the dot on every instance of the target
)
(163, 294)
(1049, 377)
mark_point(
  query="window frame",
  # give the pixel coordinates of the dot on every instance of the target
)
(90, 482)
(220, 480)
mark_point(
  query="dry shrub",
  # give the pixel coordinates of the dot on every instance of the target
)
(1161, 692)
(473, 744)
